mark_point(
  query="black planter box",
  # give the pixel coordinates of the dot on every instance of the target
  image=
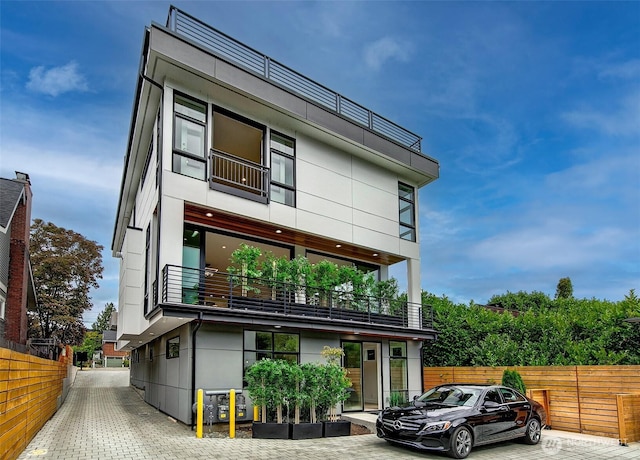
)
(306, 430)
(270, 430)
(339, 428)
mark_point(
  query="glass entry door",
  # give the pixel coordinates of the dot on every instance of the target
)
(362, 362)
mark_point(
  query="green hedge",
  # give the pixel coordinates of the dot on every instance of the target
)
(545, 332)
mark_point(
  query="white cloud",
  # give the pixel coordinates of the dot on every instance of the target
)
(57, 80)
(621, 119)
(626, 70)
(384, 49)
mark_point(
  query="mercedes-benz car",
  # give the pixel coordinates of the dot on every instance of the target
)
(453, 418)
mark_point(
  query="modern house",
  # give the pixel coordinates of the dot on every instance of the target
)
(17, 291)
(227, 147)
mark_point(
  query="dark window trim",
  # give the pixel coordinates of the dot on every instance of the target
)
(411, 225)
(286, 155)
(180, 152)
(175, 354)
(147, 262)
(399, 358)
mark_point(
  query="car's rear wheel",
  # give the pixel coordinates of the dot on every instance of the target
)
(533, 433)
(461, 441)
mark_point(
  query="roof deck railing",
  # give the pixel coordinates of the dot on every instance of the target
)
(242, 55)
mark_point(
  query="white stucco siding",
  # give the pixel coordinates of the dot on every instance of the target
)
(130, 302)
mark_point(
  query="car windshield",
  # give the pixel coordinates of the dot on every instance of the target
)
(451, 396)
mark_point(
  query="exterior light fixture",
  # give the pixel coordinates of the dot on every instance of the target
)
(278, 231)
(338, 245)
(209, 214)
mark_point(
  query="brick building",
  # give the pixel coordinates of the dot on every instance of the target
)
(17, 291)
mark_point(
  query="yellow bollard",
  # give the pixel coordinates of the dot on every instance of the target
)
(256, 414)
(199, 412)
(232, 413)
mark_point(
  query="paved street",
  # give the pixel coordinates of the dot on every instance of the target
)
(103, 418)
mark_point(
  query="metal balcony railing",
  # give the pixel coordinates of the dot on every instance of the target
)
(242, 55)
(189, 286)
(233, 174)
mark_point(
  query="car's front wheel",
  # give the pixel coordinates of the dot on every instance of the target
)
(533, 433)
(461, 441)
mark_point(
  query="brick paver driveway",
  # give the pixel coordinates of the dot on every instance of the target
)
(104, 418)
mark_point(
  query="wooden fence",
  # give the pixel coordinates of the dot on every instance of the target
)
(582, 399)
(31, 391)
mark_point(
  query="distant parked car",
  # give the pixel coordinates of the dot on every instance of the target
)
(453, 418)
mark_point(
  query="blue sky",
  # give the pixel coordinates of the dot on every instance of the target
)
(531, 108)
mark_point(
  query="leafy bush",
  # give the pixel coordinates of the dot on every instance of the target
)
(512, 379)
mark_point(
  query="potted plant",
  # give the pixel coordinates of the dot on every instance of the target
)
(323, 279)
(266, 383)
(276, 274)
(387, 292)
(245, 267)
(334, 386)
(304, 389)
(299, 269)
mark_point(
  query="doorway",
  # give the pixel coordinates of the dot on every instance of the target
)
(362, 362)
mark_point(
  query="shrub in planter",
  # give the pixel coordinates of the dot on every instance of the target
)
(512, 379)
(266, 383)
(334, 386)
(245, 267)
(307, 397)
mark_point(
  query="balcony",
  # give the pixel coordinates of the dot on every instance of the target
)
(214, 289)
(237, 176)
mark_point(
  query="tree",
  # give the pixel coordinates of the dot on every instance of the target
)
(92, 342)
(104, 318)
(564, 290)
(66, 266)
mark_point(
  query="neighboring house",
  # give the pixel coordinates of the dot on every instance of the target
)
(112, 357)
(17, 291)
(227, 146)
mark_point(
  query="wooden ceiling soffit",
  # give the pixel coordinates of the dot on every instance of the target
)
(264, 230)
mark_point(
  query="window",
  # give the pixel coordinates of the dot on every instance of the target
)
(511, 396)
(283, 187)
(3, 304)
(189, 127)
(276, 345)
(173, 347)
(407, 206)
(398, 367)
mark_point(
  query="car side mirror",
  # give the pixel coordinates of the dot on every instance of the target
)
(491, 405)
(415, 397)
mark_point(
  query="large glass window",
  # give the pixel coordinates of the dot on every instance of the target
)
(283, 187)
(173, 347)
(275, 345)
(398, 368)
(189, 127)
(407, 207)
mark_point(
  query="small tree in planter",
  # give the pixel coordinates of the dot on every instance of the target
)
(323, 278)
(276, 272)
(333, 391)
(304, 386)
(245, 266)
(266, 383)
(387, 292)
(299, 269)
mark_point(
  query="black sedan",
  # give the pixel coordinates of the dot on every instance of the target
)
(453, 418)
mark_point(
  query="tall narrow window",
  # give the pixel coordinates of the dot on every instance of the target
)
(283, 185)
(407, 207)
(398, 368)
(189, 127)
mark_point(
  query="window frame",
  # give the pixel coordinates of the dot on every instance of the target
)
(273, 353)
(172, 351)
(407, 202)
(178, 152)
(286, 156)
(401, 358)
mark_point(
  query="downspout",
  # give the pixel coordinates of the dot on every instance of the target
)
(193, 366)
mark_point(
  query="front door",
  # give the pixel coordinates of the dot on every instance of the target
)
(362, 362)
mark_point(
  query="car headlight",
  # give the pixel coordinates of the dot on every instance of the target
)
(434, 427)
